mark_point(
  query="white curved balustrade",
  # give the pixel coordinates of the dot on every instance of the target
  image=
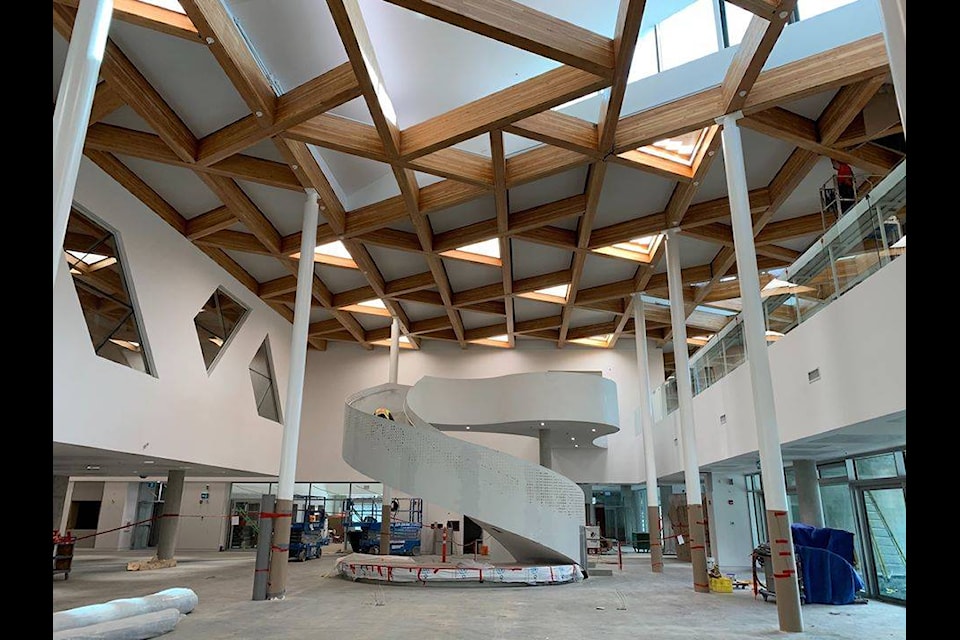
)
(534, 512)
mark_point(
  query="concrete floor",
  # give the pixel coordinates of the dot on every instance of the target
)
(321, 605)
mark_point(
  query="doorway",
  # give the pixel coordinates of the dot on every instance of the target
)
(472, 536)
(883, 510)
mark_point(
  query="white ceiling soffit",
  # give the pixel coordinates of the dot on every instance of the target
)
(379, 189)
(430, 67)
(354, 173)
(800, 244)
(185, 74)
(396, 264)
(426, 179)
(763, 156)
(532, 259)
(418, 311)
(265, 149)
(514, 144)
(355, 109)
(629, 193)
(369, 321)
(479, 145)
(583, 317)
(482, 208)
(549, 189)
(475, 320)
(339, 279)
(467, 275)
(812, 106)
(296, 40)
(262, 268)
(318, 314)
(693, 252)
(177, 185)
(283, 207)
(714, 184)
(599, 270)
(806, 197)
(524, 309)
(127, 118)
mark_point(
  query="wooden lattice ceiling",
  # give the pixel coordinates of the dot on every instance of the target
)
(590, 62)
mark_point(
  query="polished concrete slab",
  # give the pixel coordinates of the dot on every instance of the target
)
(632, 603)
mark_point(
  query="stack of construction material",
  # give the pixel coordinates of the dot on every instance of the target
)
(125, 619)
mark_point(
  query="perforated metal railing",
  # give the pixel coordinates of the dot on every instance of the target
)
(534, 512)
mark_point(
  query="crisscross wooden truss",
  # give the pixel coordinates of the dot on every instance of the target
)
(590, 62)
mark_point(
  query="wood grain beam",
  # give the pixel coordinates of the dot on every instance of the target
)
(559, 130)
(210, 222)
(763, 8)
(549, 89)
(234, 198)
(626, 31)
(340, 134)
(144, 14)
(541, 162)
(230, 266)
(105, 102)
(523, 27)
(502, 206)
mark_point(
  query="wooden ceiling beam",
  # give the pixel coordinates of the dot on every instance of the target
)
(239, 203)
(559, 130)
(541, 162)
(218, 219)
(310, 99)
(140, 189)
(763, 8)
(845, 106)
(502, 205)
(525, 28)
(340, 134)
(105, 102)
(150, 16)
(626, 31)
(456, 164)
(549, 89)
(234, 269)
(752, 53)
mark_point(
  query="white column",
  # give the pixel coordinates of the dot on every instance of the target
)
(894, 14)
(691, 468)
(754, 336)
(394, 349)
(808, 492)
(546, 453)
(72, 112)
(277, 582)
(646, 427)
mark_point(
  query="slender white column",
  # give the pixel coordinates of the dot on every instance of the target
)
(754, 336)
(691, 468)
(394, 349)
(894, 14)
(72, 112)
(277, 584)
(808, 492)
(646, 428)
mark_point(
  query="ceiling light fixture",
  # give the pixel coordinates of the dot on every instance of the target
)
(595, 341)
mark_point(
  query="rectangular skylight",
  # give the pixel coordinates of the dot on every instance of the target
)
(484, 252)
(332, 253)
(501, 340)
(374, 307)
(556, 294)
(682, 149)
(404, 343)
(596, 341)
(638, 249)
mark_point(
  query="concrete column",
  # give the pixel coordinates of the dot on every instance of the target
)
(808, 492)
(170, 520)
(588, 504)
(754, 334)
(72, 111)
(546, 453)
(60, 484)
(894, 14)
(277, 582)
(646, 426)
(691, 468)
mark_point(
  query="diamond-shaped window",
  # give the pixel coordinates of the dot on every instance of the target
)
(216, 323)
(264, 385)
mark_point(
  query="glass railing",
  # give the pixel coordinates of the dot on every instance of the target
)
(866, 237)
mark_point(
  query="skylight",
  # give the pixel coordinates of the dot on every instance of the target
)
(682, 148)
(602, 341)
(501, 340)
(404, 343)
(556, 294)
(332, 253)
(699, 341)
(638, 249)
(171, 5)
(484, 252)
(374, 307)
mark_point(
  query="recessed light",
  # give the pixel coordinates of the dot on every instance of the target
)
(468, 428)
(594, 430)
(576, 446)
(572, 438)
(93, 467)
(541, 424)
(148, 462)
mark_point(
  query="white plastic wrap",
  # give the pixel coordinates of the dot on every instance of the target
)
(181, 599)
(137, 627)
(369, 568)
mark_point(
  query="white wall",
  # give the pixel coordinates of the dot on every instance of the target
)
(857, 342)
(180, 412)
(112, 510)
(202, 524)
(343, 369)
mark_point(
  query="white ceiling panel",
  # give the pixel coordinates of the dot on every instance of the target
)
(282, 207)
(549, 189)
(179, 186)
(533, 259)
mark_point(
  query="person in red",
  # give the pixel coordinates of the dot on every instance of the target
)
(846, 194)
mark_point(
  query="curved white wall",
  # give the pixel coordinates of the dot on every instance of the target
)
(181, 413)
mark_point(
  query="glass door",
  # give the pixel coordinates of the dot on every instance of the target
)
(885, 517)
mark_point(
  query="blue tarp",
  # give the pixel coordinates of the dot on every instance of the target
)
(826, 563)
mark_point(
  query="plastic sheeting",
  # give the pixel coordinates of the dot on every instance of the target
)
(137, 627)
(181, 599)
(362, 568)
